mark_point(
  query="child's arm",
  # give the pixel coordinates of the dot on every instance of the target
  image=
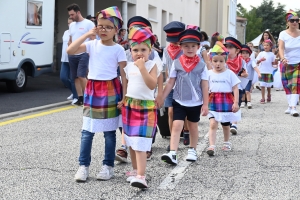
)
(150, 78)
(168, 87)
(257, 71)
(235, 106)
(78, 45)
(122, 65)
(160, 83)
(204, 88)
(206, 59)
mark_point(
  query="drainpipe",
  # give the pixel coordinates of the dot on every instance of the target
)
(91, 7)
(125, 14)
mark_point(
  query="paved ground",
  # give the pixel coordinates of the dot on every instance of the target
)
(40, 91)
(39, 160)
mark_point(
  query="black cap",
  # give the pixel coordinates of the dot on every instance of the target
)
(89, 17)
(173, 29)
(246, 48)
(190, 35)
(138, 20)
(234, 42)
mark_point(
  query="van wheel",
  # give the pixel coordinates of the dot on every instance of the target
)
(19, 84)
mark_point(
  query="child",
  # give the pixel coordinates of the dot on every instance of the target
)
(138, 21)
(251, 67)
(189, 76)
(266, 60)
(103, 91)
(236, 64)
(223, 106)
(172, 52)
(139, 111)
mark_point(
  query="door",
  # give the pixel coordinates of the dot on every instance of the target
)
(5, 47)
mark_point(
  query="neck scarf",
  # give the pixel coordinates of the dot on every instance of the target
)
(235, 64)
(173, 50)
(289, 15)
(247, 60)
(189, 63)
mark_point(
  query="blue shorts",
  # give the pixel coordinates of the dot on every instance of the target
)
(169, 100)
(79, 65)
(248, 87)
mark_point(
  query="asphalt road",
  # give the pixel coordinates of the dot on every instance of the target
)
(39, 157)
(43, 90)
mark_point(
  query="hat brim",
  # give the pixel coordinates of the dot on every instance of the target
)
(226, 43)
(172, 39)
(190, 40)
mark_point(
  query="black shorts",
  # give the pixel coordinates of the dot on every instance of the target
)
(79, 65)
(181, 112)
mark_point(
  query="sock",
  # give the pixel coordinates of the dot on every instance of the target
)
(234, 125)
(173, 152)
(80, 98)
(123, 146)
(186, 132)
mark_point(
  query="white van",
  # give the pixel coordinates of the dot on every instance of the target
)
(26, 40)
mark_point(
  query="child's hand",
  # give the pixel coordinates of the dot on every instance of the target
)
(259, 75)
(120, 104)
(244, 74)
(235, 107)
(262, 59)
(140, 63)
(159, 101)
(204, 110)
(92, 32)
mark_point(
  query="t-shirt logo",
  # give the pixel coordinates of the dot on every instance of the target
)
(81, 28)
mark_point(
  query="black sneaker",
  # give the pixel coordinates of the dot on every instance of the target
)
(78, 102)
(168, 148)
(233, 130)
(186, 138)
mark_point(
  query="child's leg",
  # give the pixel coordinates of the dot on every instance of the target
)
(226, 131)
(213, 126)
(243, 98)
(133, 158)
(141, 160)
(194, 134)
(175, 136)
(262, 92)
(248, 94)
(186, 133)
(121, 153)
(170, 113)
(269, 91)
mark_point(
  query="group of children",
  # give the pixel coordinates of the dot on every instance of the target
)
(191, 90)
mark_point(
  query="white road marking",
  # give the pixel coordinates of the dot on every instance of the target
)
(179, 171)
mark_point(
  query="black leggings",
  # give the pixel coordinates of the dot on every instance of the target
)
(223, 123)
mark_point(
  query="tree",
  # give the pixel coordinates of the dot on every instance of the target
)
(272, 17)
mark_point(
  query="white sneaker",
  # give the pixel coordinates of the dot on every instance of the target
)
(70, 97)
(139, 182)
(249, 105)
(294, 113)
(170, 158)
(106, 173)
(243, 105)
(74, 101)
(192, 155)
(82, 174)
(288, 111)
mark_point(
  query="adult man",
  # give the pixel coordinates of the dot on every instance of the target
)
(78, 63)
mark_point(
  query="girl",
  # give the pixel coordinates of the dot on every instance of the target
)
(103, 91)
(190, 98)
(266, 36)
(251, 67)
(236, 64)
(289, 52)
(139, 111)
(266, 60)
(223, 106)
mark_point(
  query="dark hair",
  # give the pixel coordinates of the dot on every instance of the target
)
(213, 41)
(121, 30)
(204, 35)
(74, 7)
(206, 47)
(270, 37)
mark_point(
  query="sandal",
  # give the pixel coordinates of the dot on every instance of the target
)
(269, 98)
(211, 150)
(262, 101)
(226, 146)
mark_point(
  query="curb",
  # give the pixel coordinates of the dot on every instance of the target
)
(35, 109)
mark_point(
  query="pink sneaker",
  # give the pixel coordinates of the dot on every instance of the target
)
(131, 175)
(139, 182)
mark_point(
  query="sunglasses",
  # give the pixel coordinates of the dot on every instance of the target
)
(294, 20)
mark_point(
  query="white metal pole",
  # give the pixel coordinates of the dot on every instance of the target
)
(91, 7)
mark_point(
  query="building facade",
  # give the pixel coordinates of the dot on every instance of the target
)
(241, 26)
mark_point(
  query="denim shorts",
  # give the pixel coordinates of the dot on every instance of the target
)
(248, 87)
(78, 65)
(169, 100)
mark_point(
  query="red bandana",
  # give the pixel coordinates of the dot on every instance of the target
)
(247, 60)
(235, 64)
(173, 50)
(189, 63)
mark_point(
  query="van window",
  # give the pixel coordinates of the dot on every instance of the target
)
(34, 13)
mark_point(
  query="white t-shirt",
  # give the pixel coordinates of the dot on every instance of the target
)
(250, 69)
(103, 63)
(291, 47)
(266, 67)
(77, 29)
(137, 87)
(222, 82)
(205, 43)
(65, 39)
(194, 101)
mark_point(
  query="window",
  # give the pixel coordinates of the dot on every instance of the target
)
(152, 13)
(170, 17)
(34, 13)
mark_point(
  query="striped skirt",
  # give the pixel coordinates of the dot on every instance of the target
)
(290, 77)
(139, 119)
(267, 78)
(220, 107)
(100, 112)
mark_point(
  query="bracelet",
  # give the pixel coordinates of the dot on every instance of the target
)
(282, 59)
